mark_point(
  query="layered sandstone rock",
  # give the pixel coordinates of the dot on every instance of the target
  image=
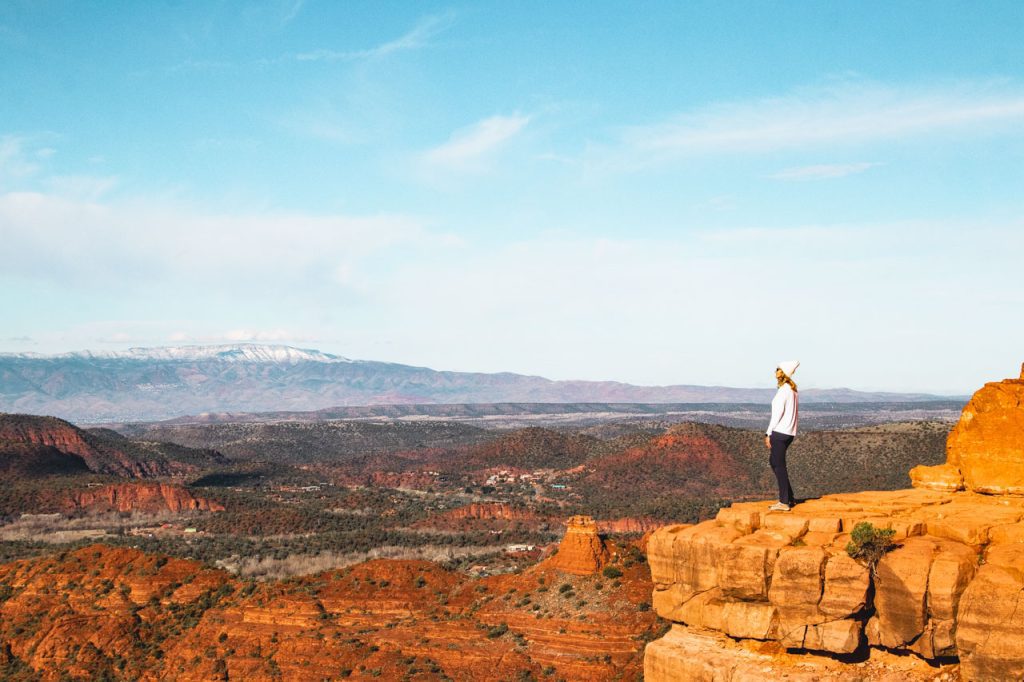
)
(689, 654)
(948, 589)
(951, 588)
(147, 498)
(985, 451)
(628, 525)
(105, 613)
(582, 550)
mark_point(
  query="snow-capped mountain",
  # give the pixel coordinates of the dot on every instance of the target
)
(238, 352)
(143, 384)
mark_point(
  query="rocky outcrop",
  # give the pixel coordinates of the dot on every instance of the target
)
(582, 550)
(688, 654)
(985, 451)
(30, 430)
(105, 613)
(34, 440)
(949, 589)
(147, 498)
(627, 525)
(486, 511)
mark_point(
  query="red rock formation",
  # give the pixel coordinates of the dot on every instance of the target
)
(951, 588)
(21, 431)
(147, 498)
(491, 510)
(628, 525)
(687, 460)
(128, 615)
(985, 451)
(582, 551)
(56, 433)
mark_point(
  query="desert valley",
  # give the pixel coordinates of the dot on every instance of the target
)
(511, 341)
(493, 542)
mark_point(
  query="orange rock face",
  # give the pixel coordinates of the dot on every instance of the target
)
(627, 525)
(986, 448)
(147, 498)
(988, 442)
(49, 432)
(582, 550)
(949, 588)
(46, 431)
(100, 613)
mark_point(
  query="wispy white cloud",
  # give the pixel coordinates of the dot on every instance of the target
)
(17, 158)
(704, 300)
(250, 335)
(109, 243)
(467, 148)
(201, 65)
(847, 113)
(81, 187)
(418, 37)
(823, 171)
(292, 11)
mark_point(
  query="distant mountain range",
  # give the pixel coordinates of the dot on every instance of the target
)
(146, 384)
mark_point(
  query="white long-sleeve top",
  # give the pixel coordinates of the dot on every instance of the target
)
(785, 411)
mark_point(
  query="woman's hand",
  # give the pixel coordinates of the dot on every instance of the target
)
(768, 442)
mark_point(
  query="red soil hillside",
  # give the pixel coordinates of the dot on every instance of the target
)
(520, 451)
(21, 461)
(128, 615)
(531, 448)
(687, 461)
(28, 443)
(40, 431)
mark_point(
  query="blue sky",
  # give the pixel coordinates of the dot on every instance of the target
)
(649, 192)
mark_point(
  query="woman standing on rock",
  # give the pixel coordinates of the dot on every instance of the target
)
(782, 430)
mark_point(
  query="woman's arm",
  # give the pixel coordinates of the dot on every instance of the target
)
(778, 409)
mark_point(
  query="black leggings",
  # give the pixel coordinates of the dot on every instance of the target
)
(780, 443)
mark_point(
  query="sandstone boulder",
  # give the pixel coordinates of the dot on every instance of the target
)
(987, 444)
(582, 550)
(944, 477)
(796, 586)
(845, 588)
(990, 627)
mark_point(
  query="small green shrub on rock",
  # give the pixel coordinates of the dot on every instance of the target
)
(612, 572)
(869, 544)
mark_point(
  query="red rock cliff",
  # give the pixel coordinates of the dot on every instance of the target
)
(17, 430)
(32, 430)
(147, 498)
(948, 591)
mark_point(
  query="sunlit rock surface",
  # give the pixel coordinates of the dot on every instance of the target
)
(949, 592)
(985, 451)
(582, 551)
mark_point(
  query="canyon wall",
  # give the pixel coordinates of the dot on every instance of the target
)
(147, 498)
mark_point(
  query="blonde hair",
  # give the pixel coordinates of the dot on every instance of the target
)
(784, 378)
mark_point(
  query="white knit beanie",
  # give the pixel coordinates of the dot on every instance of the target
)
(789, 366)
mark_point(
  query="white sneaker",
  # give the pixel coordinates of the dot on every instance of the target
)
(779, 506)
